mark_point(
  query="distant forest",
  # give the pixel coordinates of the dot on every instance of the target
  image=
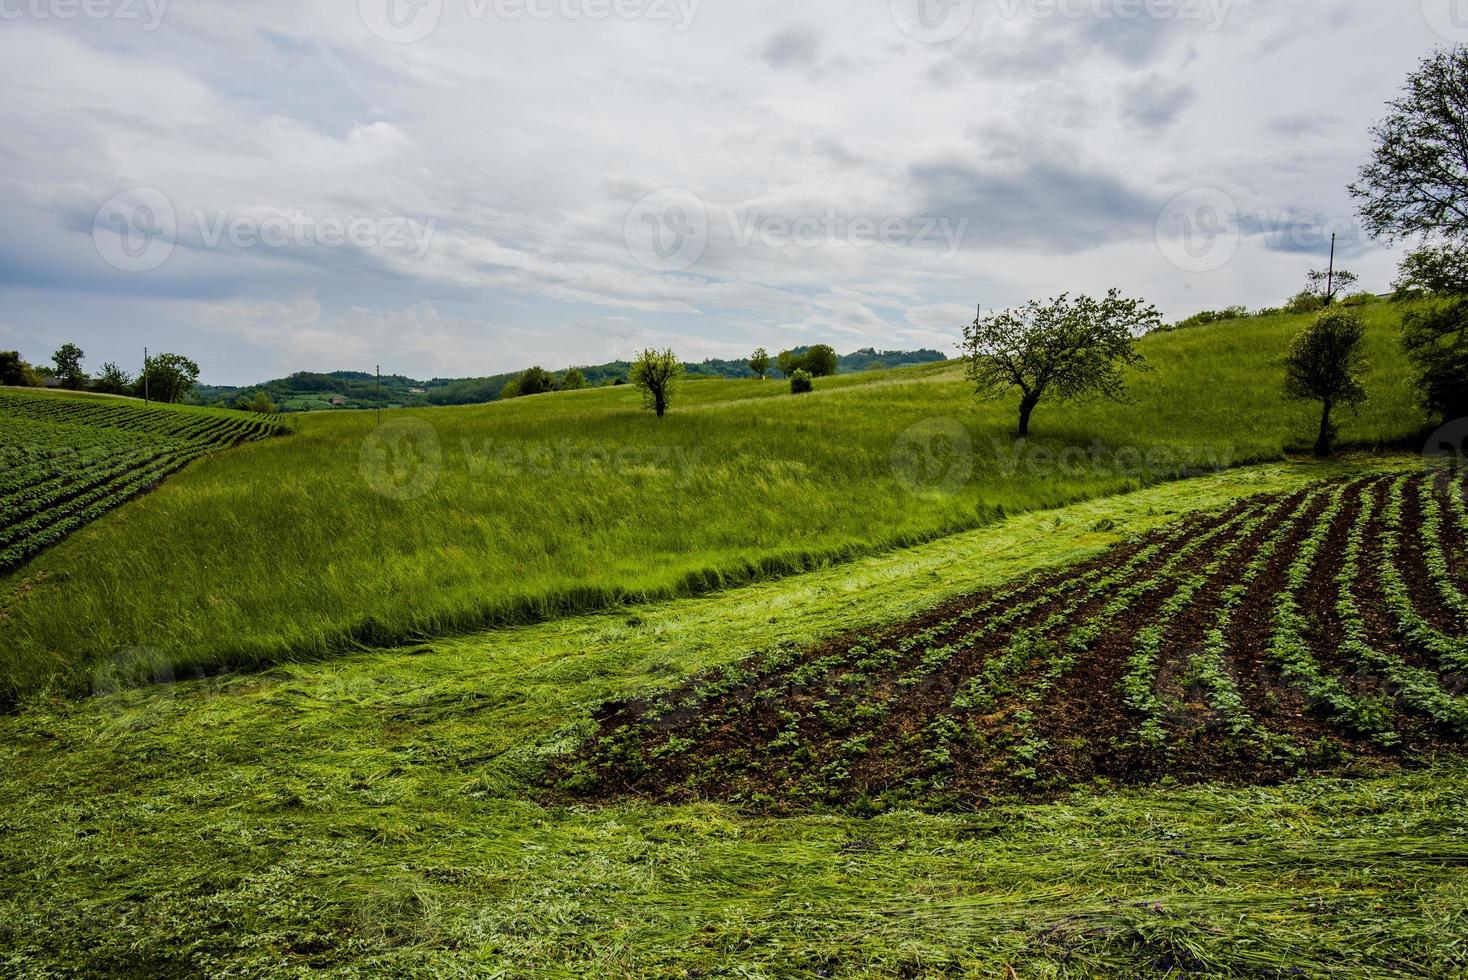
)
(305, 391)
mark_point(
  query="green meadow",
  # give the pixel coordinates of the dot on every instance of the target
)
(380, 815)
(346, 534)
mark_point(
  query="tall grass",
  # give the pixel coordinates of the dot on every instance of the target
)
(573, 501)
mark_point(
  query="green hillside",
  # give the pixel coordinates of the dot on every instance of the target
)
(452, 519)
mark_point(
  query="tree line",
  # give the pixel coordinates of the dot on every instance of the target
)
(164, 377)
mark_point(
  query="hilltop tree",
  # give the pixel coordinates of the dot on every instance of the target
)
(1321, 283)
(656, 374)
(68, 360)
(114, 380)
(760, 363)
(536, 381)
(1324, 364)
(1062, 350)
(1436, 341)
(1440, 268)
(573, 380)
(168, 377)
(1417, 180)
(820, 361)
(15, 372)
(788, 363)
(802, 382)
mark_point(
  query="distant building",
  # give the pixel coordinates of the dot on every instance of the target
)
(417, 391)
(338, 402)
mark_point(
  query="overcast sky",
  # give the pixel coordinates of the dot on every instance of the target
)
(463, 187)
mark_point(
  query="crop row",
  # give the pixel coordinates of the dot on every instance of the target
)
(66, 462)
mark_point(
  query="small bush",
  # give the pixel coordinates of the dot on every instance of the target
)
(802, 382)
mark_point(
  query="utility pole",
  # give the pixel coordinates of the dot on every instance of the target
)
(1330, 276)
(145, 377)
(379, 395)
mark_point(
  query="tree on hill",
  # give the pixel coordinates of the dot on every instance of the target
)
(1436, 341)
(257, 401)
(759, 363)
(788, 363)
(536, 381)
(802, 382)
(114, 380)
(573, 380)
(656, 375)
(1416, 182)
(168, 378)
(16, 373)
(820, 361)
(68, 361)
(1327, 286)
(1324, 364)
(1440, 268)
(1061, 350)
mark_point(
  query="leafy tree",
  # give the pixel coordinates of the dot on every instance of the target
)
(258, 402)
(820, 361)
(16, 373)
(656, 374)
(168, 377)
(760, 363)
(1417, 180)
(1320, 282)
(1436, 340)
(1324, 364)
(1304, 302)
(68, 360)
(511, 389)
(1064, 349)
(114, 380)
(788, 363)
(573, 380)
(536, 381)
(1441, 268)
(802, 382)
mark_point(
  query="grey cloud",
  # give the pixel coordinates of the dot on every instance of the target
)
(1155, 105)
(791, 48)
(1047, 206)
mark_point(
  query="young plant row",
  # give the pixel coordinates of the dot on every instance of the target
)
(1416, 688)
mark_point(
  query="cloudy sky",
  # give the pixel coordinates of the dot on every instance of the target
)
(462, 187)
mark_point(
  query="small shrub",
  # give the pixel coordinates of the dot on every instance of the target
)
(801, 382)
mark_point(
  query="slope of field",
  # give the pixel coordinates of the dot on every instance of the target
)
(1290, 631)
(65, 461)
(377, 816)
(449, 520)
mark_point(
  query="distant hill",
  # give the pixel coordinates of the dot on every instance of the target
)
(306, 391)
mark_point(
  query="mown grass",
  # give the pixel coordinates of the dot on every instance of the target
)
(374, 816)
(578, 501)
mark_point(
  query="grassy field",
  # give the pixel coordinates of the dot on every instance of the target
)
(379, 815)
(450, 520)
